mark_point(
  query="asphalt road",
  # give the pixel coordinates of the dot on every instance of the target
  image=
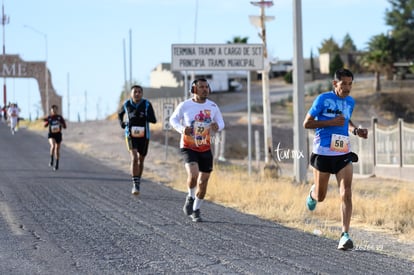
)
(82, 219)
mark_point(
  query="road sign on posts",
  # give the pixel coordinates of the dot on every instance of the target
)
(219, 57)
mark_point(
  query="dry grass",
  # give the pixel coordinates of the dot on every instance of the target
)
(393, 210)
(388, 208)
(38, 125)
(35, 125)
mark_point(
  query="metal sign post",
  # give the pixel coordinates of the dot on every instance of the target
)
(168, 109)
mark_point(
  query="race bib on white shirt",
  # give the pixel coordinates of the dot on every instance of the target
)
(340, 143)
(137, 131)
(201, 130)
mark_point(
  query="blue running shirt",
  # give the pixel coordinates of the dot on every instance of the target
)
(325, 107)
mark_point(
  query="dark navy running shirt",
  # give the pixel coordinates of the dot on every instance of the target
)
(55, 123)
(325, 107)
(138, 115)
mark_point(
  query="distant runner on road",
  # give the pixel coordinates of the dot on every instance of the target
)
(55, 123)
(13, 114)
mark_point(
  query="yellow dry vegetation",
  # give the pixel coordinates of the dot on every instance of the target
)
(378, 204)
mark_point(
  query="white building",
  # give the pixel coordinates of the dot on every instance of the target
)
(163, 76)
(220, 81)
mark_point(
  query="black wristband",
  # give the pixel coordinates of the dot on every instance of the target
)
(355, 131)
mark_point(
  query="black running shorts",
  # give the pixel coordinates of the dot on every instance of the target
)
(140, 144)
(332, 164)
(204, 159)
(56, 136)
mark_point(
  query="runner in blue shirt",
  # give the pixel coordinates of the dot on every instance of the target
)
(330, 116)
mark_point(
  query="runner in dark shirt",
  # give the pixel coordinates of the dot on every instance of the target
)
(55, 123)
(139, 113)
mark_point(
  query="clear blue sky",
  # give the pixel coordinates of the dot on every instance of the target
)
(85, 39)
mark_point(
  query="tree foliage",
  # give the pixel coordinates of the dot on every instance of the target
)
(348, 45)
(312, 66)
(398, 45)
(378, 58)
(332, 47)
(335, 64)
(401, 18)
(329, 46)
(238, 40)
(379, 54)
(288, 77)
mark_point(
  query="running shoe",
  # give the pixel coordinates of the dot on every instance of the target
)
(135, 189)
(188, 206)
(310, 202)
(196, 216)
(345, 242)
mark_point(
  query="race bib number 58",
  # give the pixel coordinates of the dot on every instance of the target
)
(340, 143)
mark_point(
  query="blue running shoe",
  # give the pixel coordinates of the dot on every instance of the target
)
(310, 202)
(345, 242)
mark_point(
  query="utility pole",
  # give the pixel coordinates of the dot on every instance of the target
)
(86, 105)
(130, 57)
(47, 107)
(125, 71)
(4, 20)
(267, 122)
(299, 137)
(46, 75)
(195, 40)
(68, 84)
